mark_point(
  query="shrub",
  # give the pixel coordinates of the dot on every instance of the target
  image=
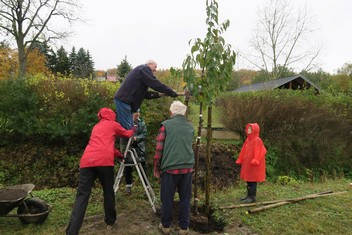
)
(51, 110)
(304, 130)
(45, 123)
(287, 180)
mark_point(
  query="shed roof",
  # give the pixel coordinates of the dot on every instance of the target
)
(294, 82)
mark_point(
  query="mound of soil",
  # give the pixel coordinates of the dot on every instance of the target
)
(225, 172)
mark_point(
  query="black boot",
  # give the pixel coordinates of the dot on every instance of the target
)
(252, 191)
(244, 198)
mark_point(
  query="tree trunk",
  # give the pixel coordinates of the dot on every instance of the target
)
(208, 161)
(196, 157)
(22, 59)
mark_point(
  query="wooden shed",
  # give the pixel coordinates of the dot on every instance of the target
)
(297, 82)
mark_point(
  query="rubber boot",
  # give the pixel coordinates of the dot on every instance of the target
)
(244, 198)
(252, 192)
(248, 189)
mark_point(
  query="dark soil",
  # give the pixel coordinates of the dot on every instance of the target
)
(142, 220)
(225, 172)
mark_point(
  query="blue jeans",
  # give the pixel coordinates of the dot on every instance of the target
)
(124, 114)
(169, 184)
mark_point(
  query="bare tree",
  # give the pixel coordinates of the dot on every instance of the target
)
(281, 39)
(28, 22)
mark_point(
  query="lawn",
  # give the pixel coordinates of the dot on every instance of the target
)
(194, 116)
(324, 215)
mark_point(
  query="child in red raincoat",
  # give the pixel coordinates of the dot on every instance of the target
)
(252, 161)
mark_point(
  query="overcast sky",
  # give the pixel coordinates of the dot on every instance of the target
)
(161, 30)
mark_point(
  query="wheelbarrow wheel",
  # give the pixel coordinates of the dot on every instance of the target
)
(35, 206)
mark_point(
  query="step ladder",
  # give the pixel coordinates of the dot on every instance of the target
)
(131, 153)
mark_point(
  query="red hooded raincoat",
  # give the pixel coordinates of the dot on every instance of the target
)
(100, 150)
(252, 156)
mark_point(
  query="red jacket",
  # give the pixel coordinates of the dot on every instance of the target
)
(100, 150)
(252, 156)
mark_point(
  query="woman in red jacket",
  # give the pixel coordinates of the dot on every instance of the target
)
(98, 161)
(252, 161)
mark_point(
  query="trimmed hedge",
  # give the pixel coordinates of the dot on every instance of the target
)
(305, 133)
(45, 124)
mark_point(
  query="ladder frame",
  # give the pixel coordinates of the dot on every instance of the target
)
(129, 151)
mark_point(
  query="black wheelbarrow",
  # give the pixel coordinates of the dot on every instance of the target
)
(30, 210)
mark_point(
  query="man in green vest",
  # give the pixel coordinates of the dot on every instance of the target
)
(173, 164)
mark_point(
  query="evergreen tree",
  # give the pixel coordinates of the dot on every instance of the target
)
(49, 53)
(123, 69)
(73, 62)
(62, 62)
(90, 66)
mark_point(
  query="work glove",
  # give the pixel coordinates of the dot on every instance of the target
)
(118, 154)
(134, 128)
(174, 94)
(255, 162)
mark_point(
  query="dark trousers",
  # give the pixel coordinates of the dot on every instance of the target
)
(128, 174)
(169, 184)
(87, 177)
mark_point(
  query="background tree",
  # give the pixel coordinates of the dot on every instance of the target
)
(123, 69)
(83, 65)
(62, 64)
(49, 54)
(241, 77)
(29, 22)
(111, 72)
(281, 40)
(73, 62)
(8, 63)
(99, 73)
(215, 59)
(346, 69)
(319, 77)
(37, 63)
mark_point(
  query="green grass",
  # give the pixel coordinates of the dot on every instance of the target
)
(324, 215)
(194, 116)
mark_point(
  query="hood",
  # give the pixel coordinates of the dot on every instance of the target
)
(107, 114)
(255, 130)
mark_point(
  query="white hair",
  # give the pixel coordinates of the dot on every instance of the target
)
(177, 107)
(150, 62)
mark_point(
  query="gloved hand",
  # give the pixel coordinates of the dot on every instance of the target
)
(174, 94)
(118, 154)
(152, 95)
(134, 128)
(255, 162)
(238, 161)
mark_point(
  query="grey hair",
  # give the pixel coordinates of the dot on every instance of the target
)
(151, 62)
(177, 107)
